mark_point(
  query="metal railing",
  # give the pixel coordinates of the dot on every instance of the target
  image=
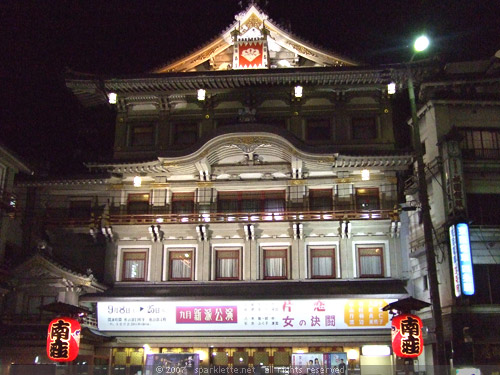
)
(227, 217)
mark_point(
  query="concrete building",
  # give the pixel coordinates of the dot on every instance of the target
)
(459, 123)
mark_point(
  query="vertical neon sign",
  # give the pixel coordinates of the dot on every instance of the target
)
(465, 258)
(455, 262)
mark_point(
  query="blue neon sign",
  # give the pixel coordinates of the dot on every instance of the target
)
(465, 258)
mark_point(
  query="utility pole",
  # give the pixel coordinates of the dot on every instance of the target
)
(430, 255)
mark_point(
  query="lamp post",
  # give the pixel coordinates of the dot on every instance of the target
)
(430, 255)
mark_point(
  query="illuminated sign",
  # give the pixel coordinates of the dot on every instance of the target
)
(206, 314)
(63, 339)
(461, 258)
(250, 54)
(407, 340)
(465, 257)
(375, 350)
(255, 315)
(363, 313)
(454, 261)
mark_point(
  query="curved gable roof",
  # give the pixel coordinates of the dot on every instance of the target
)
(253, 17)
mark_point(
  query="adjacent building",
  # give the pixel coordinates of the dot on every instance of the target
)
(459, 122)
(10, 166)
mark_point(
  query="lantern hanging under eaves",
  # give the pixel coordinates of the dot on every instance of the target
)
(407, 340)
(63, 339)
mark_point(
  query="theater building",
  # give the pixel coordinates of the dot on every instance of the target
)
(249, 213)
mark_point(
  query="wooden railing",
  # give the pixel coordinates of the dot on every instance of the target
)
(232, 217)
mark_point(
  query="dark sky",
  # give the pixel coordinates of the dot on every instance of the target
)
(40, 120)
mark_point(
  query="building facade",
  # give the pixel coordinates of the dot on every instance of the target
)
(250, 213)
(10, 166)
(459, 121)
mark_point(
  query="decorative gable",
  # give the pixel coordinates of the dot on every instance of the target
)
(40, 270)
(254, 41)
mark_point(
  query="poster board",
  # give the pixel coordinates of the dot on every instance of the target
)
(172, 363)
(334, 363)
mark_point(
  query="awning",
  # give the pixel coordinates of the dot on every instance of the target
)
(406, 305)
(65, 308)
(357, 288)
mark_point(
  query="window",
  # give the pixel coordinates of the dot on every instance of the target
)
(482, 144)
(322, 263)
(180, 265)
(134, 265)
(251, 201)
(367, 199)
(364, 128)
(275, 264)
(182, 203)
(185, 133)
(142, 135)
(318, 130)
(79, 209)
(486, 280)
(425, 282)
(320, 200)
(228, 202)
(371, 261)
(138, 204)
(227, 264)
(483, 208)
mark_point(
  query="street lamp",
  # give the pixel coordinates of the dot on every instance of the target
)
(421, 44)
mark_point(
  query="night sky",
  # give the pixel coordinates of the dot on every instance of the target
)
(44, 124)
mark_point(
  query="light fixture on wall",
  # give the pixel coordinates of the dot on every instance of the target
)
(375, 350)
(201, 94)
(353, 354)
(297, 91)
(365, 175)
(391, 88)
(112, 98)
(137, 181)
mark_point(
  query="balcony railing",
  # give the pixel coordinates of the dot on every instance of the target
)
(218, 217)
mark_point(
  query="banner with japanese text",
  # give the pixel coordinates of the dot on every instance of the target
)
(238, 315)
